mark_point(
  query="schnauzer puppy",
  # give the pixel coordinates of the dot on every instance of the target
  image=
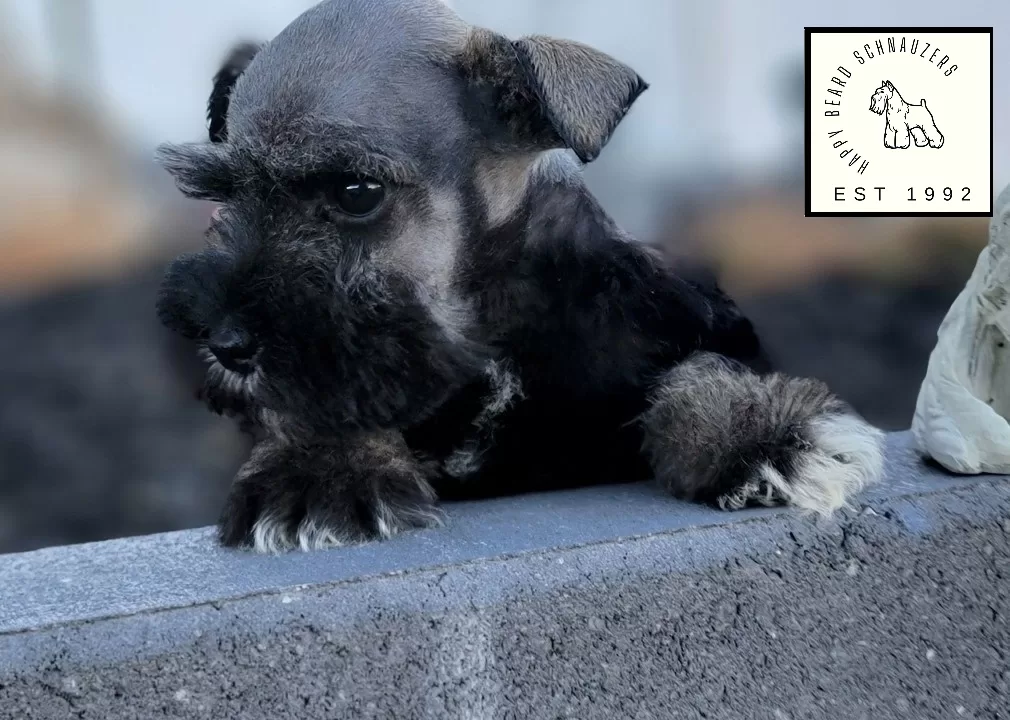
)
(409, 293)
(904, 121)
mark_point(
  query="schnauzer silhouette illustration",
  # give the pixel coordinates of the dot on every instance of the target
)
(905, 121)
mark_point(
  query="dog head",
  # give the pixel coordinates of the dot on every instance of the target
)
(881, 96)
(360, 160)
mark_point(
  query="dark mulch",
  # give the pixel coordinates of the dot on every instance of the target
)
(100, 435)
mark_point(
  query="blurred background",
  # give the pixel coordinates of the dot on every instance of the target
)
(99, 433)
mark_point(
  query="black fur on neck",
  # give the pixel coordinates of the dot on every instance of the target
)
(589, 318)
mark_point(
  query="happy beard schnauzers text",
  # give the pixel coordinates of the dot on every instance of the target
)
(864, 54)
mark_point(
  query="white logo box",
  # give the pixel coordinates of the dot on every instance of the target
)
(899, 122)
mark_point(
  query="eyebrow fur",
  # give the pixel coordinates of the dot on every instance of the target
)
(217, 172)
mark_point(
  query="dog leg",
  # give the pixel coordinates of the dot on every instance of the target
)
(889, 133)
(364, 487)
(919, 137)
(717, 432)
(902, 140)
(934, 136)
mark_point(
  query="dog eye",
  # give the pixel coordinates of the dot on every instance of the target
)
(358, 197)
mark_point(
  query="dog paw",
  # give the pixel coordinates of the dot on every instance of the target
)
(757, 491)
(756, 439)
(842, 455)
(313, 499)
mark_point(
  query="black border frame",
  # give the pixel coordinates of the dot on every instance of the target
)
(807, 33)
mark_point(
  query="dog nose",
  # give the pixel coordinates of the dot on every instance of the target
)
(234, 348)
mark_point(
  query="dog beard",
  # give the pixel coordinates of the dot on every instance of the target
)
(230, 393)
(333, 355)
(878, 102)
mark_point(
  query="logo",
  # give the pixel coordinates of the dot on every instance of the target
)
(899, 122)
(905, 121)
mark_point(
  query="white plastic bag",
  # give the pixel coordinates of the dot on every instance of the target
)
(964, 402)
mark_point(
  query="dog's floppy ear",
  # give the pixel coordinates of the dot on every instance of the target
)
(551, 92)
(200, 170)
(217, 106)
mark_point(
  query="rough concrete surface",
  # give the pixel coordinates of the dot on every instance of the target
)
(896, 609)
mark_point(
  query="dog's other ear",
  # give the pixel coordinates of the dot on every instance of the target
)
(217, 106)
(553, 93)
(200, 170)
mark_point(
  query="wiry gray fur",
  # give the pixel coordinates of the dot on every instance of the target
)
(792, 440)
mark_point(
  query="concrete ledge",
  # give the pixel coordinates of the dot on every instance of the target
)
(605, 602)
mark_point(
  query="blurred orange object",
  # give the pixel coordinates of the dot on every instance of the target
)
(70, 204)
(764, 242)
